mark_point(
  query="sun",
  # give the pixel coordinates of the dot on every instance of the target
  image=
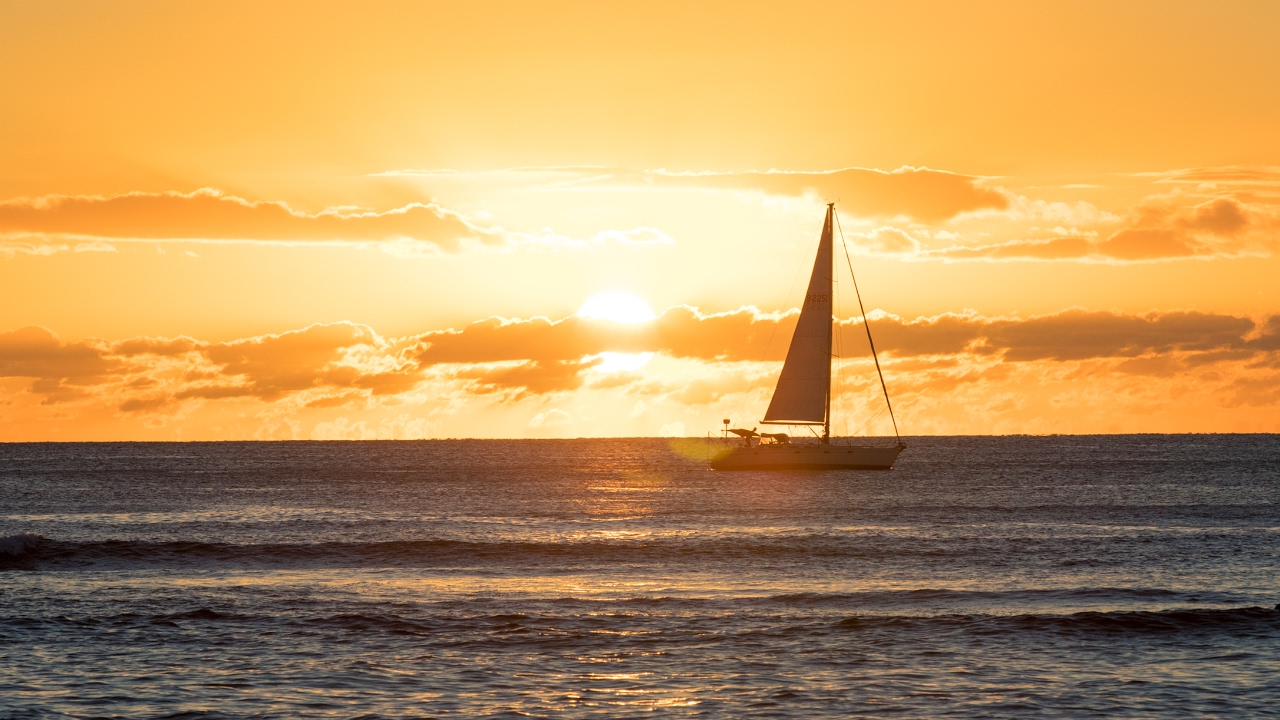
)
(620, 307)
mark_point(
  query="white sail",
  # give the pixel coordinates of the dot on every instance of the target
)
(801, 395)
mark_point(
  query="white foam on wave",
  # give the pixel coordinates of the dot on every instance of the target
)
(20, 543)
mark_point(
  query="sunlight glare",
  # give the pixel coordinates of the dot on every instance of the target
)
(622, 362)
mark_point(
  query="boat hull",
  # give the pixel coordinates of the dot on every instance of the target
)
(807, 457)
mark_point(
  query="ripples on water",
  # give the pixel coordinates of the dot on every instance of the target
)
(1130, 576)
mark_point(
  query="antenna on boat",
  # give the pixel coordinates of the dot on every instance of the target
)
(867, 326)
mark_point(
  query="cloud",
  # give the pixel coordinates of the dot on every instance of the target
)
(637, 236)
(271, 366)
(1263, 391)
(1072, 248)
(342, 356)
(94, 246)
(37, 352)
(886, 241)
(57, 367)
(1224, 217)
(1063, 336)
(134, 405)
(38, 246)
(551, 418)
(414, 230)
(1079, 334)
(1268, 177)
(11, 249)
(529, 378)
(681, 331)
(747, 334)
(675, 429)
(211, 214)
(919, 193)
(1159, 229)
(916, 192)
(723, 355)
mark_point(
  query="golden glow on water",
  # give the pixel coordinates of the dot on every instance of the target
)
(695, 448)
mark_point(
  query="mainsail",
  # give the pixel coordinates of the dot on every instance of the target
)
(801, 395)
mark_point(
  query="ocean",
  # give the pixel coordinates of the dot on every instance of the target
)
(1081, 576)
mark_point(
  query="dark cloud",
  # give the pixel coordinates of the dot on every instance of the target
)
(1078, 334)
(1064, 336)
(1224, 216)
(1268, 335)
(37, 352)
(60, 369)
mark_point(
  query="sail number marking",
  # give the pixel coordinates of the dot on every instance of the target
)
(817, 297)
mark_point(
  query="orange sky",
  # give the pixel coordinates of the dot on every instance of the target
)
(378, 220)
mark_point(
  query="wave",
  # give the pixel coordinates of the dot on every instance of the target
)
(939, 595)
(1116, 622)
(553, 621)
(33, 551)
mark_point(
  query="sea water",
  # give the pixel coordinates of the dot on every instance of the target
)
(1111, 576)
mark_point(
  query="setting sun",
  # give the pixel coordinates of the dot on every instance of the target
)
(619, 307)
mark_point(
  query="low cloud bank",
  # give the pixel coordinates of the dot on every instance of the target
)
(344, 363)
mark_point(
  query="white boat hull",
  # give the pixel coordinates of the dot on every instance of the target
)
(807, 457)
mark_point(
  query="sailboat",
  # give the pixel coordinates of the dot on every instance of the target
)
(803, 393)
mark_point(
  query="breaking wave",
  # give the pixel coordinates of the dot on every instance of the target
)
(19, 544)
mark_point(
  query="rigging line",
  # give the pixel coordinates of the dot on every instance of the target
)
(870, 420)
(867, 325)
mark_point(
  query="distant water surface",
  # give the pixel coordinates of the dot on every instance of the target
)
(1112, 576)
